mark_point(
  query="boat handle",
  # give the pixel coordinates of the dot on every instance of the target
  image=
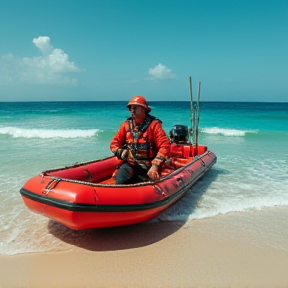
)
(52, 184)
(180, 179)
(159, 191)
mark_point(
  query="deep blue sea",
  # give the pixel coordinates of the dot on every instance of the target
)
(249, 139)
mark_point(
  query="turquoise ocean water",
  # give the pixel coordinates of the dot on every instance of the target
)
(249, 139)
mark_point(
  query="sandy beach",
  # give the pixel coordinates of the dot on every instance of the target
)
(236, 250)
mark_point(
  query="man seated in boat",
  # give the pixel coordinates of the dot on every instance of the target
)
(141, 143)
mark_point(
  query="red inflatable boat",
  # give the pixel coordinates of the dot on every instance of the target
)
(85, 195)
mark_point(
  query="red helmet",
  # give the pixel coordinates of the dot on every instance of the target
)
(140, 101)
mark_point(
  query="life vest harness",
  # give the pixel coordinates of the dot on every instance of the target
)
(138, 143)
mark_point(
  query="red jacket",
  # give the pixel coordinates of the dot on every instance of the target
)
(152, 143)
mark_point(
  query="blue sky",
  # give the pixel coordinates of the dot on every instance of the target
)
(114, 49)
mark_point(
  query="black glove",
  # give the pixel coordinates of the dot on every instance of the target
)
(121, 154)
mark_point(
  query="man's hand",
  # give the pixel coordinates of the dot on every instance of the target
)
(121, 154)
(153, 173)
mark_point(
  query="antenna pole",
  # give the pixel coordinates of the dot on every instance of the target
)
(197, 123)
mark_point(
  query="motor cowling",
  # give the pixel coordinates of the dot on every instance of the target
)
(179, 134)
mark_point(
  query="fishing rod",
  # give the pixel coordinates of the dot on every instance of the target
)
(191, 132)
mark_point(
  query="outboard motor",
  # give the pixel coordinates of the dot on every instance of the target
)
(179, 134)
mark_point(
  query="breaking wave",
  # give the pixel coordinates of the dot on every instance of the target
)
(227, 131)
(48, 133)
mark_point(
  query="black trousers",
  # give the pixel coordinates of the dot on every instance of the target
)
(129, 174)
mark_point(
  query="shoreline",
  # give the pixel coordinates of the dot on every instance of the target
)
(233, 250)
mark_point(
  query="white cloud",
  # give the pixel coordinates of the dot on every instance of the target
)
(53, 67)
(161, 72)
(43, 43)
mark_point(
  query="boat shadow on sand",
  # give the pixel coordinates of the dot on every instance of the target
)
(137, 235)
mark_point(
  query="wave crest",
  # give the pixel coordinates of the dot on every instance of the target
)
(227, 131)
(16, 132)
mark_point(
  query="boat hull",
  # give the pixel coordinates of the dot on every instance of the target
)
(80, 197)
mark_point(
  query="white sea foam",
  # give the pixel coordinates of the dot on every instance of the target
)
(227, 131)
(47, 133)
